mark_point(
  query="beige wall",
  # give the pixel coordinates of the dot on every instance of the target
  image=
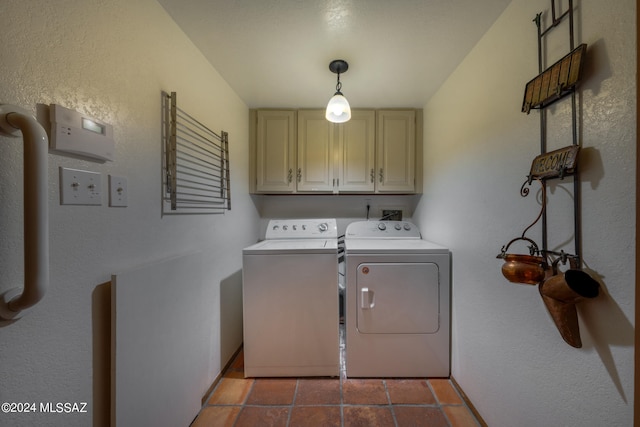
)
(110, 60)
(507, 353)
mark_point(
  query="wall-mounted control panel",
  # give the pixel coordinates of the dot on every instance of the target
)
(76, 133)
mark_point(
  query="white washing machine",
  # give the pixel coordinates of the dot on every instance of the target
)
(398, 302)
(290, 300)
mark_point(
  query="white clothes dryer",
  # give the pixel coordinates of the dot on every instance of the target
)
(397, 302)
(290, 300)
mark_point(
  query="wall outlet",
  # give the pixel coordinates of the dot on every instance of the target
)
(78, 187)
(391, 215)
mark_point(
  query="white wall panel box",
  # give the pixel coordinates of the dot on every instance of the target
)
(76, 133)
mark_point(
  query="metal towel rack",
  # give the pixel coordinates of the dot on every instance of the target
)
(196, 164)
(15, 301)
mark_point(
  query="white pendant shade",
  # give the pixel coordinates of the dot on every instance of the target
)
(338, 109)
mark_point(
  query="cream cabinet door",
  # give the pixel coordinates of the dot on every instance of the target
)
(355, 165)
(275, 151)
(396, 151)
(316, 136)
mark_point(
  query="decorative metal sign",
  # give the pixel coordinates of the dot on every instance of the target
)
(555, 82)
(555, 164)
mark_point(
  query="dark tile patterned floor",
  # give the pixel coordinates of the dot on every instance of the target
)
(308, 402)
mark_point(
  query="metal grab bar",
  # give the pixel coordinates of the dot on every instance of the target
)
(15, 301)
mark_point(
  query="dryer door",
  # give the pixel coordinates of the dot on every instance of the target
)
(398, 298)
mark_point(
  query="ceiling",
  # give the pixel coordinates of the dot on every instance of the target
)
(277, 53)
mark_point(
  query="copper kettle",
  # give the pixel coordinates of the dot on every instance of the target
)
(527, 269)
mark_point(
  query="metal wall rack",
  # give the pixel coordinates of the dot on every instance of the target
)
(560, 291)
(564, 88)
(196, 177)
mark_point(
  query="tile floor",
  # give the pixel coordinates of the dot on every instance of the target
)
(262, 402)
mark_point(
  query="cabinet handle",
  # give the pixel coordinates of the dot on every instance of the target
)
(373, 175)
(381, 175)
(299, 174)
(290, 176)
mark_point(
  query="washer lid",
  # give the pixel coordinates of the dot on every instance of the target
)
(392, 246)
(292, 246)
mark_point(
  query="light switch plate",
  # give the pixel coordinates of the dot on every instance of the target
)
(118, 191)
(78, 187)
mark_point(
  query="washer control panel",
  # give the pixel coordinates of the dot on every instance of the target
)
(326, 228)
(382, 230)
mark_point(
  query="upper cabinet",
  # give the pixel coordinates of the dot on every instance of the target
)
(301, 152)
(316, 138)
(274, 162)
(355, 159)
(336, 158)
(396, 151)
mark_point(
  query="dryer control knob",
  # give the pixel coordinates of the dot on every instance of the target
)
(382, 226)
(323, 227)
(284, 227)
(397, 227)
(407, 226)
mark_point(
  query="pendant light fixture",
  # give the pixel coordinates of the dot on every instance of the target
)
(338, 109)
